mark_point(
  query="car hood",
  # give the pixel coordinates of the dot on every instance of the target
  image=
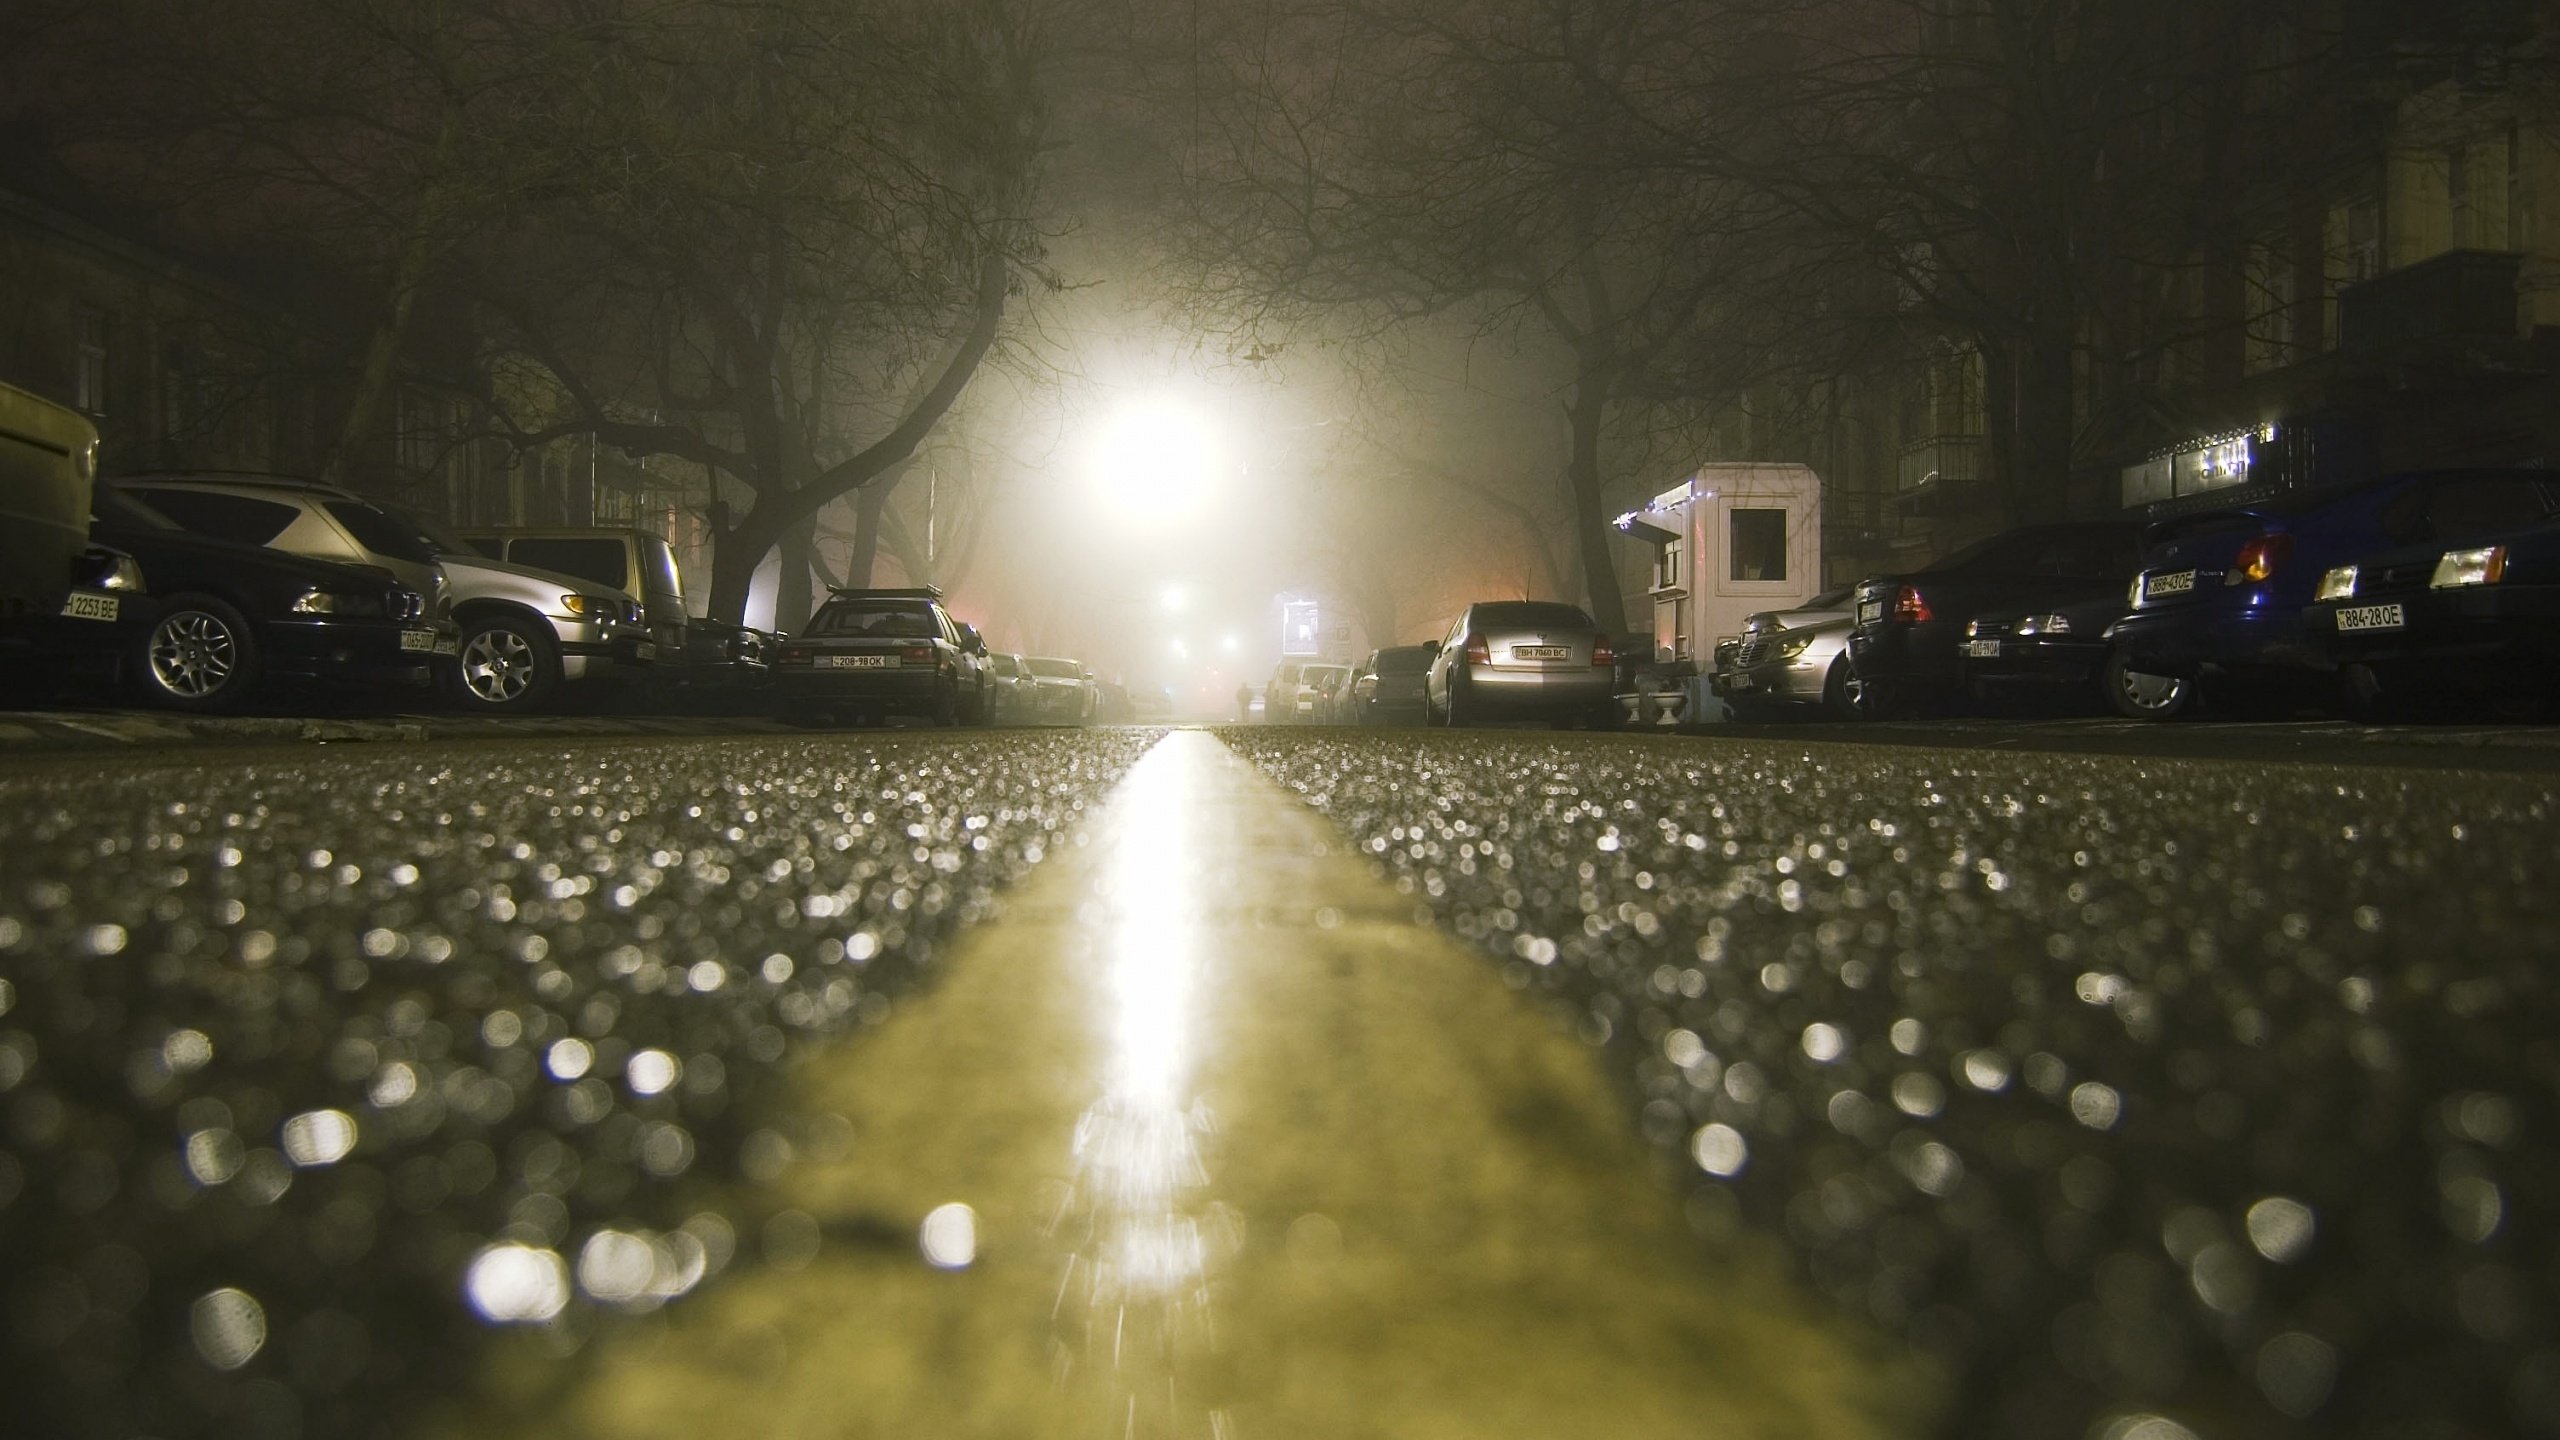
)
(1798, 619)
(473, 572)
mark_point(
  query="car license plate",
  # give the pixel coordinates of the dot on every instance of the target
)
(648, 650)
(2370, 617)
(1541, 652)
(418, 640)
(854, 662)
(1870, 611)
(449, 645)
(1982, 649)
(87, 605)
(2176, 582)
(1739, 683)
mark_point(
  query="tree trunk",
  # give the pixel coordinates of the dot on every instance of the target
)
(1591, 516)
(791, 587)
(2040, 488)
(867, 506)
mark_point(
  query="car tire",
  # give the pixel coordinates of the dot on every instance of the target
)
(2139, 694)
(505, 665)
(1840, 691)
(1459, 714)
(946, 707)
(200, 656)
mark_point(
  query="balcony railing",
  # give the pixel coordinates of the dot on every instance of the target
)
(1950, 460)
(2459, 295)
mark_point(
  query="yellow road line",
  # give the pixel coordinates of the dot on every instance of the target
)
(1246, 1154)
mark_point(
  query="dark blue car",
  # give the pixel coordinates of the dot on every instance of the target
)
(2473, 617)
(2222, 595)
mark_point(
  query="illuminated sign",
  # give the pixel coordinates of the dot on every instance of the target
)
(1298, 628)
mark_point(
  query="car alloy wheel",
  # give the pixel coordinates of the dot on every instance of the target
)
(194, 655)
(498, 666)
(1842, 695)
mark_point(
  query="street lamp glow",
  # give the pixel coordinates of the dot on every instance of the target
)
(1227, 643)
(1175, 599)
(1154, 462)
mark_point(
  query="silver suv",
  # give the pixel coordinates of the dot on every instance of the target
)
(523, 632)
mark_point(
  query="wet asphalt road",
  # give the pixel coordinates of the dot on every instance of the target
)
(2146, 1097)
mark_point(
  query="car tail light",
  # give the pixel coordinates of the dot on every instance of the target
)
(1478, 651)
(2456, 568)
(1909, 604)
(918, 654)
(2259, 559)
(1603, 653)
(791, 653)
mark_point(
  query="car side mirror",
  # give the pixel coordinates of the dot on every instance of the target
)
(971, 641)
(1431, 645)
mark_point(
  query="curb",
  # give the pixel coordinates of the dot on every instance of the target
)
(47, 731)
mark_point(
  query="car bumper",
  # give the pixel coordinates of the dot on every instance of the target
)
(355, 652)
(2504, 638)
(1925, 654)
(882, 689)
(1797, 681)
(2250, 638)
(2036, 662)
(1539, 690)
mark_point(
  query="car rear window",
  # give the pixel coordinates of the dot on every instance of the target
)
(875, 620)
(1057, 669)
(601, 561)
(1534, 614)
(1404, 660)
(224, 517)
(382, 532)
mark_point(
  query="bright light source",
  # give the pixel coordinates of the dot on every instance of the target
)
(1181, 651)
(1175, 599)
(1155, 462)
(1227, 643)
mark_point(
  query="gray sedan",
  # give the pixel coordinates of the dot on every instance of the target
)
(1523, 660)
(1788, 660)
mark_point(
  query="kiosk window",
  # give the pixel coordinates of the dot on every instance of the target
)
(1759, 547)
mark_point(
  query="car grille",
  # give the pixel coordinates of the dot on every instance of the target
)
(1757, 647)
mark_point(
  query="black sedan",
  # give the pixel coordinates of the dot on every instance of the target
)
(232, 619)
(1908, 644)
(2053, 654)
(2477, 619)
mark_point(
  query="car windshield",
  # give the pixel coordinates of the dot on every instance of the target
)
(1532, 615)
(1057, 669)
(875, 620)
(1404, 660)
(385, 533)
(110, 506)
(1830, 599)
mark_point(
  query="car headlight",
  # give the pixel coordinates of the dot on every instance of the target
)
(316, 601)
(1793, 648)
(581, 605)
(2133, 595)
(2339, 583)
(2484, 566)
(105, 569)
(1972, 628)
(2044, 625)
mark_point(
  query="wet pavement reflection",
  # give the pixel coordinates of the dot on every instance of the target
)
(1210, 1137)
(2156, 1098)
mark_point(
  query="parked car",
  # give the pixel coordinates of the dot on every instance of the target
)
(1523, 659)
(63, 597)
(869, 654)
(1907, 644)
(2429, 624)
(1790, 662)
(1390, 686)
(522, 632)
(1009, 697)
(2221, 596)
(639, 563)
(2054, 654)
(230, 621)
(1062, 691)
(1313, 700)
(1280, 693)
(1113, 706)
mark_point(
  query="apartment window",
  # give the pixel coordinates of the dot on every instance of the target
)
(89, 378)
(2270, 297)
(1759, 547)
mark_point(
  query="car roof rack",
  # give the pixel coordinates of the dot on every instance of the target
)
(909, 592)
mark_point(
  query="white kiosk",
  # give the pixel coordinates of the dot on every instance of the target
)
(1730, 541)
